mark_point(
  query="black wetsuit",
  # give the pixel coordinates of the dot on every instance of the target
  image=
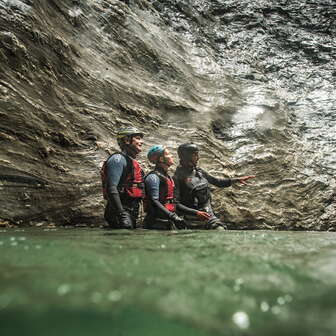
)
(192, 194)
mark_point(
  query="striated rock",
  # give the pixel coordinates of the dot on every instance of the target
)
(251, 83)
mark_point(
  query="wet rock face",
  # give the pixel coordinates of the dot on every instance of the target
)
(251, 83)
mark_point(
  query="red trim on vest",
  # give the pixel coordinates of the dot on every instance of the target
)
(167, 199)
(134, 180)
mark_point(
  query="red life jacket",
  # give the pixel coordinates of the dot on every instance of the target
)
(167, 198)
(131, 182)
(166, 194)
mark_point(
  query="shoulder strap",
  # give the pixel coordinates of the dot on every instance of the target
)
(129, 164)
(129, 167)
(159, 175)
(164, 181)
(162, 177)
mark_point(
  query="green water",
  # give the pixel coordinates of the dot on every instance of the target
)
(96, 282)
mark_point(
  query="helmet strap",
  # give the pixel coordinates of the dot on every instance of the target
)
(128, 147)
(187, 163)
(163, 165)
(163, 162)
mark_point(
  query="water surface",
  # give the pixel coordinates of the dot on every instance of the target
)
(85, 281)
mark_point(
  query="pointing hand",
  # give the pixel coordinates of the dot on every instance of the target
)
(243, 179)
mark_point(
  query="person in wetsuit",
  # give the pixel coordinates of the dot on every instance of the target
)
(159, 203)
(122, 179)
(192, 189)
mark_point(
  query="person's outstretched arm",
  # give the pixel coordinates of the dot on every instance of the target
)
(243, 179)
(225, 182)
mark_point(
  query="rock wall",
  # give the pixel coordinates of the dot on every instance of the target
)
(252, 84)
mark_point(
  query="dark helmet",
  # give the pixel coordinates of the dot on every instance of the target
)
(155, 152)
(127, 132)
(186, 151)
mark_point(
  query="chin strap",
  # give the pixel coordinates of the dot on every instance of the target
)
(165, 163)
(189, 164)
(131, 151)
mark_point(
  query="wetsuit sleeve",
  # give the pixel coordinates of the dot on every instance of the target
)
(177, 193)
(218, 182)
(152, 184)
(114, 169)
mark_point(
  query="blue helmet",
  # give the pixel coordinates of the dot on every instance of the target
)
(155, 152)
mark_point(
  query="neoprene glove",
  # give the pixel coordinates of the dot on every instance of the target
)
(214, 223)
(176, 219)
(125, 220)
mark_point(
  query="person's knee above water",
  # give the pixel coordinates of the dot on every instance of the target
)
(159, 202)
(192, 188)
(122, 179)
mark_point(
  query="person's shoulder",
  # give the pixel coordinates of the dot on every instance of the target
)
(152, 177)
(117, 158)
